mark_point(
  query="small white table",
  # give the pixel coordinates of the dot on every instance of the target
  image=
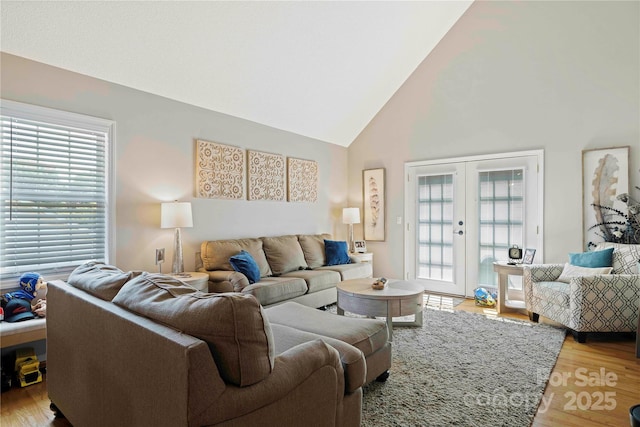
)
(361, 256)
(398, 298)
(505, 270)
(200, 281)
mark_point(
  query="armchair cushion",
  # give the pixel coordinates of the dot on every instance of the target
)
(592, 259)
(625, 257)
(233, 325)
(571, 271)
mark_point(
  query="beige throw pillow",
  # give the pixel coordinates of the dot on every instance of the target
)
(234, 325)
(570, 271)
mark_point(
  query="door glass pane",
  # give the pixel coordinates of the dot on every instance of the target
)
(501, 216)
(435, 228)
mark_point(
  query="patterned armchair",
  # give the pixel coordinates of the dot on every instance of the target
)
(602, 303)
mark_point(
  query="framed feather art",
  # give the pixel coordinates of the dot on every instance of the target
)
(374, 204)
(605, 175)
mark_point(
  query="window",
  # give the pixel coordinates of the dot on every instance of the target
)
(54, 195)
(435, 227)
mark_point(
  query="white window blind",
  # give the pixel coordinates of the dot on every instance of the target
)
(54, 192)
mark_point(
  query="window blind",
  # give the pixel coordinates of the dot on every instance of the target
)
(53, 211)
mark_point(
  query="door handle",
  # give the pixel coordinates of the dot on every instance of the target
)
(459, 232)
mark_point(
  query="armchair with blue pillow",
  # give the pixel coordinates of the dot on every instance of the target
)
(596, 291)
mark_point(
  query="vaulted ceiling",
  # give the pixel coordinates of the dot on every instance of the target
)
(318, 69)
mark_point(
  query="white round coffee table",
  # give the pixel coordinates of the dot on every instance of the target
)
(398, 298)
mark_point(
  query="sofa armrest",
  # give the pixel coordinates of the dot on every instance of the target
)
(607, 298)
(308, 372)
(538, 273)
(226, 281)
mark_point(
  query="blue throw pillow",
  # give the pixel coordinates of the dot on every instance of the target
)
(244, 263)
(593, 259)
(336, 252)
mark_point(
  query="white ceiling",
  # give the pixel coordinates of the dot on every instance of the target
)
(318, 69)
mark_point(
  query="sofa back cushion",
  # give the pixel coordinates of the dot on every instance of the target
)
(216, 253)
(313, 249)
(233, 325)
(99, 279)
(284, 254)
(625, 257)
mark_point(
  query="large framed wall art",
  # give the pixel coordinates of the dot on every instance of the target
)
(266, 176)
(220, 171)
(302, 176)
(374, 204)
(605, 175)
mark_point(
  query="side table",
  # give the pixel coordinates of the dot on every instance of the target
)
(504, 270)
(361, 256)
(200, 281)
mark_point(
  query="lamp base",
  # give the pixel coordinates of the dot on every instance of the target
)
(178, 264)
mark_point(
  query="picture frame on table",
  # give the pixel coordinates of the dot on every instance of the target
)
(360, 246)
(528, 256)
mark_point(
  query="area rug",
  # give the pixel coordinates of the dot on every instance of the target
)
(464, 369)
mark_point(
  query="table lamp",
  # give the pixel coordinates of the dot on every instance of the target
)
(176, 215)
(351, 216)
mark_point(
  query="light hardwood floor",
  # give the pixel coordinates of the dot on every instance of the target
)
(588, 396)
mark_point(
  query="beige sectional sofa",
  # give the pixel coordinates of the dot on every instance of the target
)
(292, 268)
(141, 349)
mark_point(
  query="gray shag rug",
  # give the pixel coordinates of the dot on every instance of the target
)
(464, 369)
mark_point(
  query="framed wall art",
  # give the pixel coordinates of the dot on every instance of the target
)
(302, 176)
(220, 171)
(266, 174)
(605, 175)
(374, 204)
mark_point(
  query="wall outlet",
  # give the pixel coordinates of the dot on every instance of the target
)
(399, 220)
(159, 256)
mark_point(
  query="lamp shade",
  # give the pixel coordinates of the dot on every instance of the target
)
(351, 216)
(175, 215)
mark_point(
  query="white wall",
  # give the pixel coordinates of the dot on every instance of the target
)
(155, 161)
(513, 76)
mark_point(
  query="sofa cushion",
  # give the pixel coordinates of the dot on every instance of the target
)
(233, 325)
(99, 279)
(215, 254)
(351, 271)
(284, 254)
(336, 252)
(270, 290)
(317, 280)
(592, 259)
(353, 362)
(368, 335)
(313, 249)
(570, 271)
(625, 257)
(245, 264)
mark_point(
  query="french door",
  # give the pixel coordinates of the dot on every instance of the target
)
(463, 214)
